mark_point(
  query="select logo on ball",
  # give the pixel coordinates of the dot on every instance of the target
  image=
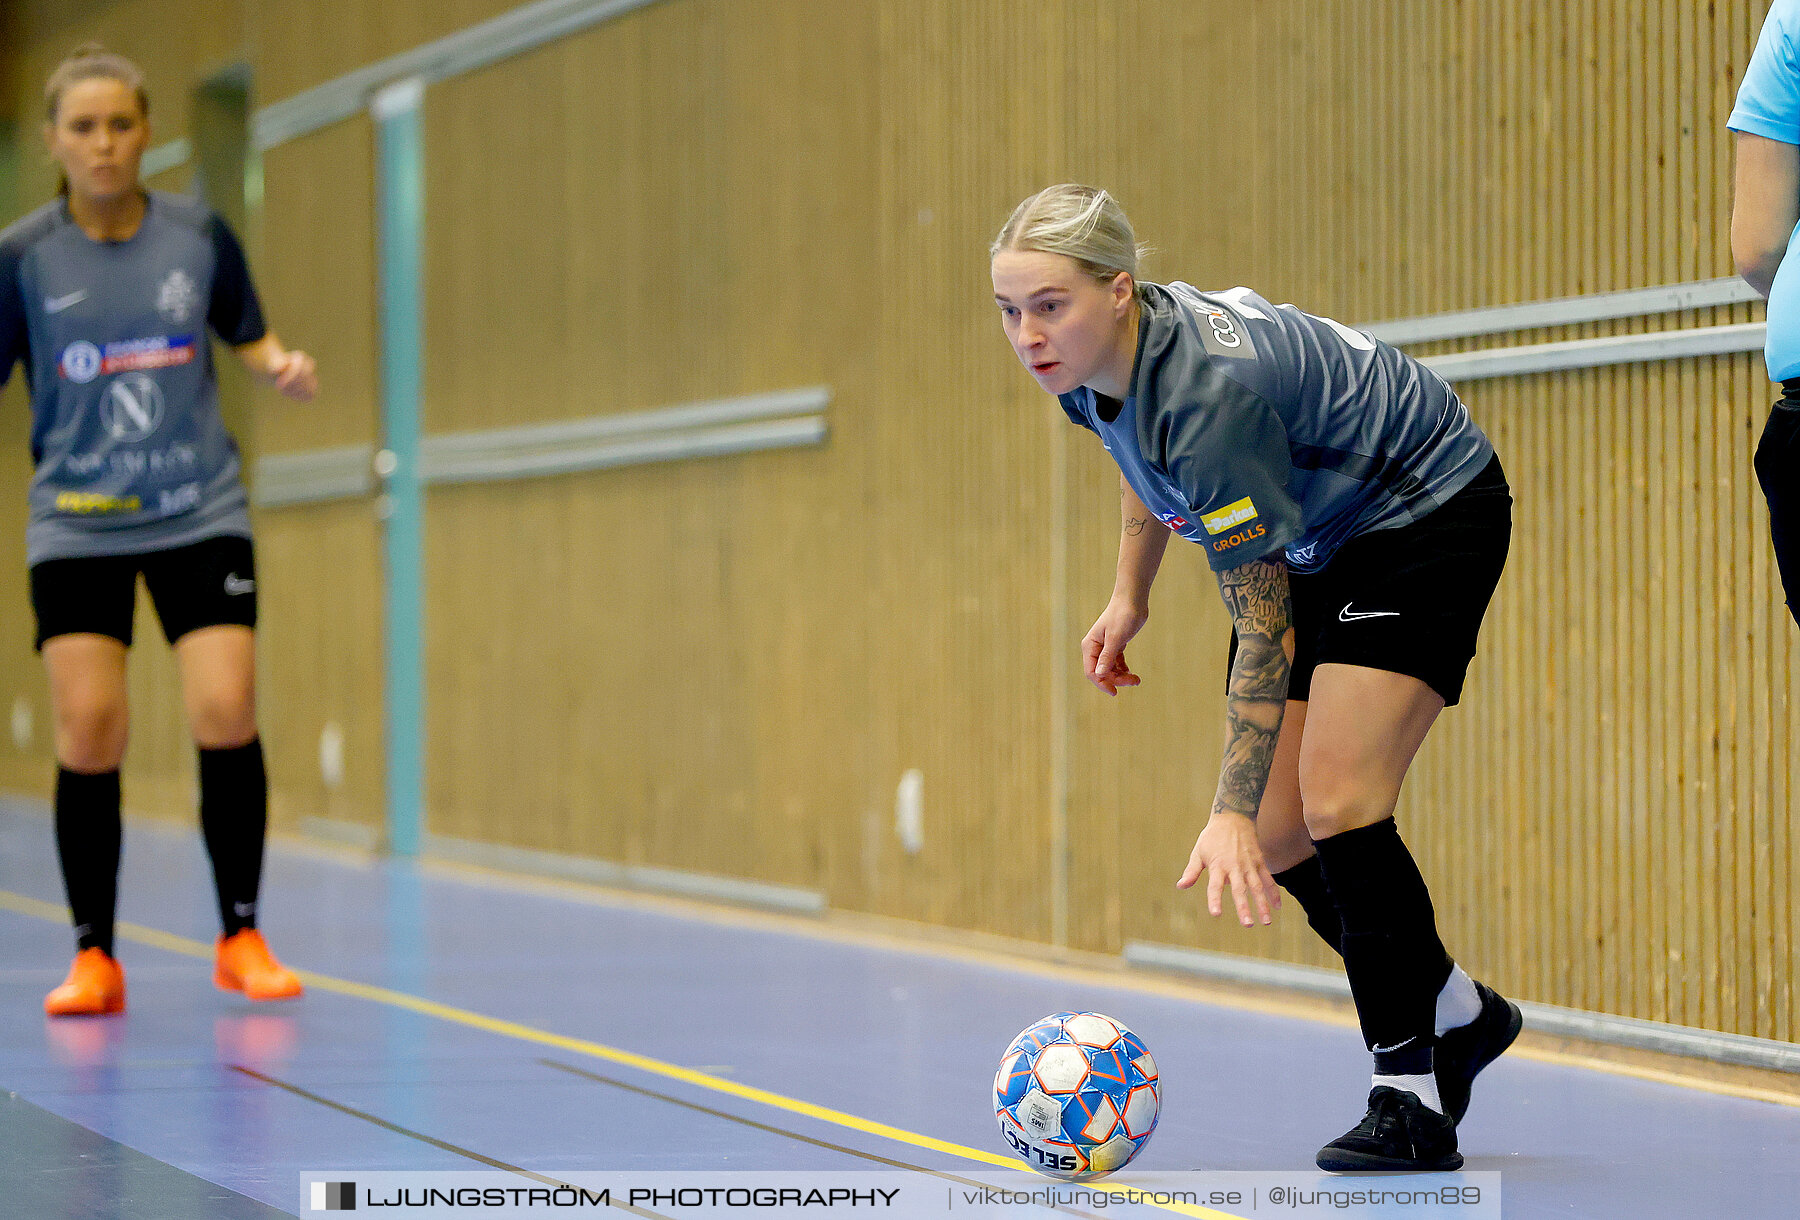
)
(1058, 1159)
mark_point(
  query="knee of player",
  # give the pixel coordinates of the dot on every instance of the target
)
(1334, 803)
(223, 719)
(91, 734)
(1283, 852)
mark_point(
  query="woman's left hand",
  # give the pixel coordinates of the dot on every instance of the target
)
(1227, 849)
(296, 375)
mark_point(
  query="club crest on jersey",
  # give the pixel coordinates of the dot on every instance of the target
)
(1222, 519)
(132, 407)
(178, 297)
(80, 362)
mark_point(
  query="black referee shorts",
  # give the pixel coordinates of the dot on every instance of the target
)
(1408, 600)
(1778, 470)
(206, 584)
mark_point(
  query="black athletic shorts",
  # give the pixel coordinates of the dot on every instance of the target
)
(206, 584)
(1778, 470)
(1409, 599)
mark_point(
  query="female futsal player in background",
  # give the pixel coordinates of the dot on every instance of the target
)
(105, 295)
(1357, 521)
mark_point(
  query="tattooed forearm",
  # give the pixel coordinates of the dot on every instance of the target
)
(1135, 525)
(1256, 699)
(1262, 612)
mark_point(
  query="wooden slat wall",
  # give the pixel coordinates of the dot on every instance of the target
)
(726, 665)
(320, 566)
(659, 664)
(1607, 817)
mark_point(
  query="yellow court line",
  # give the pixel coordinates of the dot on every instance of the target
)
(1010, 958)
(187, 947)
(1200, 990)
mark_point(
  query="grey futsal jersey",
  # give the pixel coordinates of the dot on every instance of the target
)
(1255, 428)
(130, 450)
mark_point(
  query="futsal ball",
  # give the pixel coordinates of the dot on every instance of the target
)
(1077, 1095)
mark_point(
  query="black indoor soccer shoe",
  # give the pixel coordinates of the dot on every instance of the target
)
(1399, 1133)
(1462, 1052)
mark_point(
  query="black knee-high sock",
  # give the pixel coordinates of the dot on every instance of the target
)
(1306, 882)
(234, 817)
(1392, 954)
(87, 842)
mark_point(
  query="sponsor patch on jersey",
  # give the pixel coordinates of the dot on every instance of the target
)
(1222, 519)
(157, 352)
(82, 362)
(88, 502)
(1241, 537)
(1223, 334)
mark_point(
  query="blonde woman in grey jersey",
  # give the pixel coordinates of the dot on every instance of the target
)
(1357, 521)
(106, 296)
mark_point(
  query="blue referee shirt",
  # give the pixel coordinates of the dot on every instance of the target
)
(1768, 105)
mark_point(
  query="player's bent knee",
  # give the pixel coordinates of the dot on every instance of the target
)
(1283, 851)
(1342, 807)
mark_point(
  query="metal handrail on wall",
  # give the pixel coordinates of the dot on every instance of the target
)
(783, 419)
(734, 425)
(1571, 311)
(1563, 311)
(511, 33)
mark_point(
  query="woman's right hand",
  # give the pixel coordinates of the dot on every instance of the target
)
(1103, 650)
(1228, 853)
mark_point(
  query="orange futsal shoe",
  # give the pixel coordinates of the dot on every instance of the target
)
(244, 963)
(95, 987)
